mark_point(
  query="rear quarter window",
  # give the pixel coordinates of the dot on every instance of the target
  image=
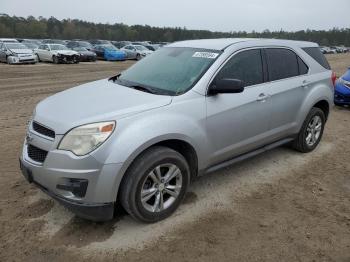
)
(317, 55)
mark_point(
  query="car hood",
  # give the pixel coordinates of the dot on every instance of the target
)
(22, 51)
(65, 52)
(97, 101)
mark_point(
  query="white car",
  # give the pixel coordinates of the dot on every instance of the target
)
(56, 53)
(16, 53)
(138, 50)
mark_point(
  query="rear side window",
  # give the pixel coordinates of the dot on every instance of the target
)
(245, 66)
(282, 63)
(316, 54)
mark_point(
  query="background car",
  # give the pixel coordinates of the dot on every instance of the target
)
(85, 54)
(57, 53)
(16, 53)
(342, 90)
(140, 51)
(109, 52)
(79, 43)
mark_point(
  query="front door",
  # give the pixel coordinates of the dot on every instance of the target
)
(238, 123)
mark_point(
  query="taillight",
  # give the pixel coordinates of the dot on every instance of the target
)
(334, 78)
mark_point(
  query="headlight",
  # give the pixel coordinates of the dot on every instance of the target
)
(85, 139)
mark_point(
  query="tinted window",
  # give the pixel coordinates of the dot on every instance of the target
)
(246, 66)
(282, 63)
(303, 68)
(316, 54)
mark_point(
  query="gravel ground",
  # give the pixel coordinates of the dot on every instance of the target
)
(279, 206)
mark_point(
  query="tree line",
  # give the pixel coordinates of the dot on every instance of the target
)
(41, 28)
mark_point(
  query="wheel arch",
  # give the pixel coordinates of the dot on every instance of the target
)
(185, 148)
(324, 106)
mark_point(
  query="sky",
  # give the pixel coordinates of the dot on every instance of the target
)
(214, 15)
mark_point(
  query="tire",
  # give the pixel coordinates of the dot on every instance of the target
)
(303, 143)
(55, 59)
(139, 179)
(138, 57)
(8, 60)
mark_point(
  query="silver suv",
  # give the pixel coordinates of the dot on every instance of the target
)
(190, 108)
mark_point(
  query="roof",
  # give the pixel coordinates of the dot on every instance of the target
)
(223, 43)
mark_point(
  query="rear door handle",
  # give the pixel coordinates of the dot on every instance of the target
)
(262, 97)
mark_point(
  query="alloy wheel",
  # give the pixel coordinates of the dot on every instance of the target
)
(161, 187)
(313, 131)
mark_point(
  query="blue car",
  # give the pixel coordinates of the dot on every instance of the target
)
(109, 52)
(342, 90)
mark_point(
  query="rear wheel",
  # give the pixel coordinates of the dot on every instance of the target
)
(155, 184)
(311, 132)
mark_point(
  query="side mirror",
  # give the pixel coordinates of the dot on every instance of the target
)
(226, 86)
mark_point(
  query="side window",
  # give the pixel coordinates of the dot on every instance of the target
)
(282, 63)
(303, 69)
(1, 46)
(246, 66)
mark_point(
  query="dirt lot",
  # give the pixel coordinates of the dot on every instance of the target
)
(279, 206)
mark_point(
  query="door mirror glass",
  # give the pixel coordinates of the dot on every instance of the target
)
(227, 85)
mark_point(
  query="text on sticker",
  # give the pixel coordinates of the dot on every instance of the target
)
(205, 55)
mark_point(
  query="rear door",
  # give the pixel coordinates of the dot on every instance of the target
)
(288, 77)
(238, 123)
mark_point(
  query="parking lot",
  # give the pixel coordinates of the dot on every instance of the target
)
(279, 206)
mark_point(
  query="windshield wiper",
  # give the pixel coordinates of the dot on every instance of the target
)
(133, 85)
(143, 88)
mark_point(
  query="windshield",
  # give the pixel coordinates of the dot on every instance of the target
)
(84, 44)
(15, 46)
(140, 47)
(170, 70)
(109, 47)
(59, 47)
(31, 45)
(80, 49)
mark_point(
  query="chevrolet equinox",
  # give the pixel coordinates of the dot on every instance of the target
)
(190, 108)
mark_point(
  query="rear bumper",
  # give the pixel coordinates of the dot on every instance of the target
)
(90, 211)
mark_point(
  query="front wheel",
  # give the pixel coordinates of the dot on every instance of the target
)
(8, 60)
(155, 184)
(55, 60)
(311, 132)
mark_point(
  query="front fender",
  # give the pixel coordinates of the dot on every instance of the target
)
(135, 134)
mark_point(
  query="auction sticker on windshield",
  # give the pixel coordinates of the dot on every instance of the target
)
(205, 55)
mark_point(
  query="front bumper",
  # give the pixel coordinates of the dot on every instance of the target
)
(23, 59)
(68, 58)
(94, 212)
(341, 95)
(57, 174)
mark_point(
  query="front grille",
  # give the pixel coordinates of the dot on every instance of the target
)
(36, 154)
(43, 130)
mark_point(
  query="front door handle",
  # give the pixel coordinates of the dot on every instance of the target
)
(305, 84)
(262, 97)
